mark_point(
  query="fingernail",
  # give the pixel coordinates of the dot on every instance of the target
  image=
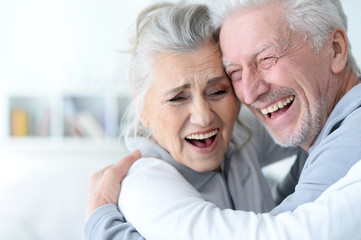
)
(137, 154)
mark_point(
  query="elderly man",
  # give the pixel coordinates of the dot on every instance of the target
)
(290, 63)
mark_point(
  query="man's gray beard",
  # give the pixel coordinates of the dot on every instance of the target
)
(305, 133)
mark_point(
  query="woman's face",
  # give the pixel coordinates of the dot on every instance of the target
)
(191, 107)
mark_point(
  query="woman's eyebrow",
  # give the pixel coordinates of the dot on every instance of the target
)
(216, 79)
(177, 89)
(188, 86)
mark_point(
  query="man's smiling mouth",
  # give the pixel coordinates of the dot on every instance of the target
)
(273, 111)
(202, 140)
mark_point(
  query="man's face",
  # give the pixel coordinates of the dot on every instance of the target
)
(278, 75)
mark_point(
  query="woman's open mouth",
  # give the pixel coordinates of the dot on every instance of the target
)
(278, 108)
(202, 140)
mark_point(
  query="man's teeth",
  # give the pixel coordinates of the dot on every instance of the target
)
(280, 104)
(202, 136)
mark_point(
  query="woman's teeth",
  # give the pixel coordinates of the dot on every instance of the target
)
(202, 136)
(279, 105)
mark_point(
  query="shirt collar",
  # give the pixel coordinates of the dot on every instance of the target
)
(343, 108)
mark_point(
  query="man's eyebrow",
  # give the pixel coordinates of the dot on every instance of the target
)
(261, 49)
(227, 64)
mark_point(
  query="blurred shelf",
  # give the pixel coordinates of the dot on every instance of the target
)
(69, 120)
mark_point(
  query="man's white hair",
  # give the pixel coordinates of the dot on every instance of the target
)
(314, 19)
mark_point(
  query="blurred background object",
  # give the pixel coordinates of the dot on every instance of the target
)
(63, 90)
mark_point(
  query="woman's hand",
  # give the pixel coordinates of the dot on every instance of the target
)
(105, 184)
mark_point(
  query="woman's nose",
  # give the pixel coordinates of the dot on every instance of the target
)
(201, 113)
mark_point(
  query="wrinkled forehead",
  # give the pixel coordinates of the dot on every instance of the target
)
(179, 69)
(251, 32)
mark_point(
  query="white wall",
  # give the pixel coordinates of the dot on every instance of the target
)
(72, 44)
(352, 9)
(65, 43)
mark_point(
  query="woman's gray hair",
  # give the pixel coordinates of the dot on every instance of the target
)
(161, 28)
(315, 19)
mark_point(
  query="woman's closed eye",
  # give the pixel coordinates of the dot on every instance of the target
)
(180, 97)
(217, 93)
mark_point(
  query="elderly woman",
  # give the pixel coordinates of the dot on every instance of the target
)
(184, 120)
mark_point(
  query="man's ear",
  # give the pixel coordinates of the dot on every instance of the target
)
(339, 50)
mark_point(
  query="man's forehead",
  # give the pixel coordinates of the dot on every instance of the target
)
(253, 54)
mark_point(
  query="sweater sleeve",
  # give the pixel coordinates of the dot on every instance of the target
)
(161, 205)
(108, 223)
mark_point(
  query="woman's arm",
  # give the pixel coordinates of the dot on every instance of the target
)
(107, 223)
(104, 221)
(162, 205)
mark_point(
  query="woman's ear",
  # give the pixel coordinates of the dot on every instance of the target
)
(145, 122)
(143, 119)
(340, 51)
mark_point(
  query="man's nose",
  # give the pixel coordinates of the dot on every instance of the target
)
(201, 113)
(251, 87)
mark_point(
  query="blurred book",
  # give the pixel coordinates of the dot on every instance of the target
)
(81, 123)
(43, 126)
(88, 125)
(19, 123)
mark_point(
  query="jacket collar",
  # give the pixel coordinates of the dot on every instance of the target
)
(347, 104)
(150, 149)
